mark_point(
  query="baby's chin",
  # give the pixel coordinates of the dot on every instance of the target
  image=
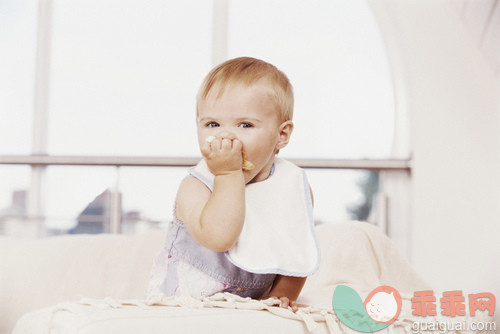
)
(250, 176)
(255, 175)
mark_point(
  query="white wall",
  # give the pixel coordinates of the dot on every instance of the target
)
(452, 97)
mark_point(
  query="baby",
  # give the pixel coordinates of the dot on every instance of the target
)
(243, 217)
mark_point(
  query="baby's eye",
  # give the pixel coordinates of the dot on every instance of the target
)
(212, 125)
(245, 125)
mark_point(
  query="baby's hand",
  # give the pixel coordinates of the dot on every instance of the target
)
(223, 154)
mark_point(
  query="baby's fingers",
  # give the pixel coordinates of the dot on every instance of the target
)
(294, 306)
(237, 146)
(226, 144)
(285, 303)
(206, 149)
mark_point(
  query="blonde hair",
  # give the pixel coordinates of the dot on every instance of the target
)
(247, 71)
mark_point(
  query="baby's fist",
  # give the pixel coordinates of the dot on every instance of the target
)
(223, 154)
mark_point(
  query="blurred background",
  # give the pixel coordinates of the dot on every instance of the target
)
(397, 115)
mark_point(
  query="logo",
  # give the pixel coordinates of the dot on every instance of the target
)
(380, 308)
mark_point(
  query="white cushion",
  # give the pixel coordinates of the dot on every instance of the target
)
(39, 273)
(43, 272)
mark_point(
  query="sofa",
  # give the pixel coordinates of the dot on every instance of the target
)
(96, 284)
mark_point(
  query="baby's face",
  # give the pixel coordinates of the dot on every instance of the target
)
(249, 114)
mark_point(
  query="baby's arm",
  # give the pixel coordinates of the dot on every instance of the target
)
(287, 289)
(215, 219)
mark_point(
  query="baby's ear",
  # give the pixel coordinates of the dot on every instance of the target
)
(285, 131)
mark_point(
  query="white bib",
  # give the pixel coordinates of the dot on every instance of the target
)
(278, 233)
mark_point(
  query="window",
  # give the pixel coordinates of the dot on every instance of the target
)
(15, 182)
(122, 80)
(124, 75)
(17, 62)
(334, 57)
